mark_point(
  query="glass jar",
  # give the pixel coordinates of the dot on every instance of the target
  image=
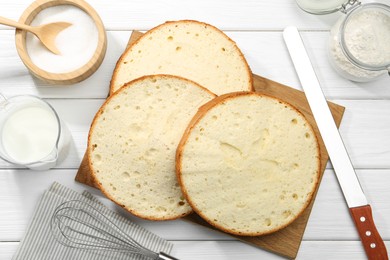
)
(358, 48)
(324, 7)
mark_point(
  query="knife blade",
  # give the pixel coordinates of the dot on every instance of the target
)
(353, 193)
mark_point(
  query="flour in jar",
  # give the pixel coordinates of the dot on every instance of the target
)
(76, 43)
(367, 37)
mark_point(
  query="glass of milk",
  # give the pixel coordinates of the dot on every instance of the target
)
(31, 133)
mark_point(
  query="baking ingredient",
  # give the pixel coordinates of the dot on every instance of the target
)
(249, 164)
(367, 37)
(133, 140)
(30, 134)
(77, 43)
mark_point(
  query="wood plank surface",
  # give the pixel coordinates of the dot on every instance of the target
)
(257, 27)
(329, 219)
(273, 63)
(223, 250)
(242, 15)
(365, 130)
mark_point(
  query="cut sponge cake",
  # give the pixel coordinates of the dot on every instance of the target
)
(133, 140)
(190, 49)
(248, 163)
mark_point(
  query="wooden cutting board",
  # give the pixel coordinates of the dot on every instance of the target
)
(285, 242)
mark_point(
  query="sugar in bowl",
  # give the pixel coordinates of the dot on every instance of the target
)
(82, 45)
(31, 133)
(359, 43)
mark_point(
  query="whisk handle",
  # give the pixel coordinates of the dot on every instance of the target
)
(163, 256)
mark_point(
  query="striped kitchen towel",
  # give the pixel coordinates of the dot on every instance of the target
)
(40, 244)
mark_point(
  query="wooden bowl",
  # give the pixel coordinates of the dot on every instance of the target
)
(69, 77)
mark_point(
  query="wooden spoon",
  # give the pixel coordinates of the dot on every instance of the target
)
(46, 33)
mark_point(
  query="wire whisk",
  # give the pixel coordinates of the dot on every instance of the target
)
(77, 224)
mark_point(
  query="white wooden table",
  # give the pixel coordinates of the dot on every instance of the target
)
(257, 27)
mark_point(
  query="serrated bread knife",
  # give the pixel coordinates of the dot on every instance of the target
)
(349, 183)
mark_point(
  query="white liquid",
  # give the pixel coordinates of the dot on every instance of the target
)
(30, 134)
(77, 43)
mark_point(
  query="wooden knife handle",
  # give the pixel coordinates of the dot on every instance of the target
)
(373, 244)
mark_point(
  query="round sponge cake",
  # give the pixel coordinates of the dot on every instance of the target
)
(190, 49)
(248, 163)
(133, 140)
